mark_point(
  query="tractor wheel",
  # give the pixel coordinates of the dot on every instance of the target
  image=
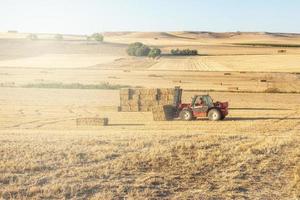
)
(186, 115)
(214, 115)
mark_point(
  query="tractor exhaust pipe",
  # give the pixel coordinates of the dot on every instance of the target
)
(177, 96)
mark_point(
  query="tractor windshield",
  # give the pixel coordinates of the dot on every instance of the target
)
(208, 101)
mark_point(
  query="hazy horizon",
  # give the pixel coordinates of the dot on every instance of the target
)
(82, 17)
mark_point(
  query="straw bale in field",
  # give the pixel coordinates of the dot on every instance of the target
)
(92, 121)
(143, 100)
(163, 113)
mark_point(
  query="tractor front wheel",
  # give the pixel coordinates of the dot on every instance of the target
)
(214, 115)
(186, 115)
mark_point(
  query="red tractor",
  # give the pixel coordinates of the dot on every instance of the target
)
(201, 106)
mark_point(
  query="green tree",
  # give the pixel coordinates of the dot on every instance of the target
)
(184, 52)
(142, 51)
(58, 37)
(88, 38)
(138, 49)
(32, 37)
(98, 37)
(155, 52)
(133, 47)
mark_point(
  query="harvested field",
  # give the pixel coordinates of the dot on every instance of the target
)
(59, 61)
(194, 63)
(252, 154)
(56, 142)
(264, 63)
(216, 53)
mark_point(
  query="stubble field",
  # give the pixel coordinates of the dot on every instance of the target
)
(253, 154)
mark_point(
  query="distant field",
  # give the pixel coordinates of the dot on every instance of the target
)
(255, 63)
(193, 63)
(217, 52)
(266, 63)
(269, 45)
(53, 61)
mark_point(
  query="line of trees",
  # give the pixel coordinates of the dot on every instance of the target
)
(184, 52)
(32, 37)
(59, 37)
(96, 36)
(140, 49)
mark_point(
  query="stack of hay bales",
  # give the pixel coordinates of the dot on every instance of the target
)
(143, 100)
(129, 101)
(92, 121)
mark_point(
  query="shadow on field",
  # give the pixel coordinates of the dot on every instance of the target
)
(259, 109)
(259, 118)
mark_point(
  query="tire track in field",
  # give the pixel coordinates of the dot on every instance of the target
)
(21, 124)
(32, 124)
(53, 122)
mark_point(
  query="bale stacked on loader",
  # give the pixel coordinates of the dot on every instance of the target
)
(166, 96)
(163, 113)
(143, 100)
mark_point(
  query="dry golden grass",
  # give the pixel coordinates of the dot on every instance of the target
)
(297, 182)
(264, 63)
(59, 61)
(285, 82)
(193, 38)
(253, 154)
(219, 52)
(114, 165)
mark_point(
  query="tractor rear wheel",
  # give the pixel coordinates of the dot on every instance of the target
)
(186, 115)
(214, 115)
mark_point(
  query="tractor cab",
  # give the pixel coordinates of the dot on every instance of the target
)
(202, 100)
(201, 106)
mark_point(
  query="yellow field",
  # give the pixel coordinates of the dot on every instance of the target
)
(45, 155)
(253, 154)
(59, 61)
(232, 63)
(218, 52)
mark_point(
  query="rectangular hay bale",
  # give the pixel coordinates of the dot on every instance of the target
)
(145, 99)
(145, 92)
(124, 91)
(125, 109)
(92, 121)
(163, 113)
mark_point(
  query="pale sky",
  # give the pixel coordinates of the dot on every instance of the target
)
(89, 16)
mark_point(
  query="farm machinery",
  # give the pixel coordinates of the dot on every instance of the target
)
(200, 106)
